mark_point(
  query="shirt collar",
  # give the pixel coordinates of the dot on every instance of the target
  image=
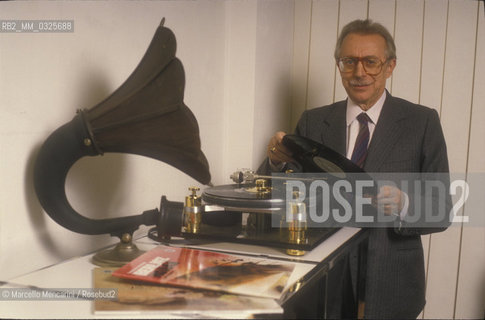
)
(353, 110)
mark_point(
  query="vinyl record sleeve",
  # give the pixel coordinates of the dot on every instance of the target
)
(209, 270)
(168, 301)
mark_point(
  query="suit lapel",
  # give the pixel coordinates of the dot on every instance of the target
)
(387, 132)
(334, 128)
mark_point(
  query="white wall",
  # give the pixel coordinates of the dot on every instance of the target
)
(440, 56)
(257, 79)
(251, 68)
(230, 72)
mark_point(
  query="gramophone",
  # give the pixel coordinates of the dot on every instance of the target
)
(147, 116)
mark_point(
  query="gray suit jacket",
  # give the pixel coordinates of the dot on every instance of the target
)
(407, 138)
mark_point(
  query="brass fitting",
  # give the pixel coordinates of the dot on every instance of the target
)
(296, 223)
(263, 188)
(192, 211)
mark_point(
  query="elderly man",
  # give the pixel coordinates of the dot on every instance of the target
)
(398, 136)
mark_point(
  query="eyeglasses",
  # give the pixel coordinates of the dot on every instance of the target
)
(372, 65)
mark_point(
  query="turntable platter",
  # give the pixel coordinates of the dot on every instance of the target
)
(241, 196)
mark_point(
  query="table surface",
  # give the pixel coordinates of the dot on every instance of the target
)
(77, 273)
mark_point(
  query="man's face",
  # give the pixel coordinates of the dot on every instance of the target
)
(362, 88)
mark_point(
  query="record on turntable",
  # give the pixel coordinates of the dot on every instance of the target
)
(253, 196)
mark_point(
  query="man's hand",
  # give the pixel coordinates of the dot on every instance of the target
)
(390, 200)
(277, 152)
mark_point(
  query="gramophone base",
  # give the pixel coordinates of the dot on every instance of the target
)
(124, 252)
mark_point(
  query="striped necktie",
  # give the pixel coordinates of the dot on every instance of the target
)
(360, 149)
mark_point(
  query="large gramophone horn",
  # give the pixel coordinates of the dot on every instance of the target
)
(146, 116)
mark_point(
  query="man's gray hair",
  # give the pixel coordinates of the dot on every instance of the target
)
(366, 27)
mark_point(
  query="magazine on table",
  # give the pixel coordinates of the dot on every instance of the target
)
(168, 301)
(208, 270)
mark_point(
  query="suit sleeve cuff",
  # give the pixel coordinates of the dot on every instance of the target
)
(405, 207)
